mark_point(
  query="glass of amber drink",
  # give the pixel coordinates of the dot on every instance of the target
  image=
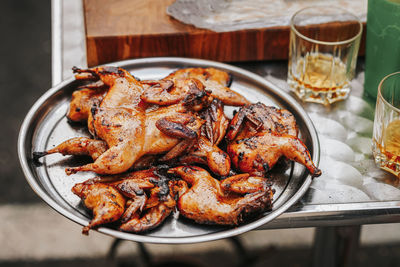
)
(324, 42)
(386, 136)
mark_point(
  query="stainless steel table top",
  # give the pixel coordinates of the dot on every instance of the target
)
(352, 190)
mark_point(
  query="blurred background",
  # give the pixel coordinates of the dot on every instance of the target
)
(32, 234)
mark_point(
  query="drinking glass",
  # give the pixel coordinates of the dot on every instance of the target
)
(324, 42)
(386, 135)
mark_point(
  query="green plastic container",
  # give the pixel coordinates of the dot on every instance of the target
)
(383, 43)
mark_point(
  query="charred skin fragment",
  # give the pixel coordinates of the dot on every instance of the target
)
(111, 70)
(147, 211)
(175, 129)
(163, 181)
(93, 110)
(250, 143)
(240, 156)
(266, 167)
(214, 199)
(230, 80)
(265, 134)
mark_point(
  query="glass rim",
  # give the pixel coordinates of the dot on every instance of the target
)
(380, 96)
(293, 27)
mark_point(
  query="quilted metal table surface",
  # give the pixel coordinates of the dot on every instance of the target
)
(351, 191)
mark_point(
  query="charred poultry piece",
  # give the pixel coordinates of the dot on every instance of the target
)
(106, 203)
(129, 130)
(151, 200)
(205, 150)
(230, 202)
(214, 80)
(139, 201)
(258, 117)
(259, 154)
(175, 128)
(83, 99)
(118, 120)
(150, 215)
(168, 129)
(260, 135)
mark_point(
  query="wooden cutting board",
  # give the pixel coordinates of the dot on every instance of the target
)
(124, 29)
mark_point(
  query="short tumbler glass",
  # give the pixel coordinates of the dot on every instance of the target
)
(324, 42)
(386, 136)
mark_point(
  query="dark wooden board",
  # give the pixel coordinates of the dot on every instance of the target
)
(124, 29)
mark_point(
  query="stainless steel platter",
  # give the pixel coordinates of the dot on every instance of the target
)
(46, 126)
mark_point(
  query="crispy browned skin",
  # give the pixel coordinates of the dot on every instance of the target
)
(206, 153)
(260, 135)
(244, 183)
(150, 200)
(208, 201)
(171, 129)
(122, 122)
(83, 100)
(123, 131)
(77, 146)
(258, 154)
(205, 150)
(106, 203)
(215, 81)
(145, 162)
(168, 92)
(133, 184)
(148, 193)
(197, 148)
(216, 122)
(151, 216)
(119, 120)
(124, 89)
(163, 130)
(258, 117)
(130, 131)
(160, 92)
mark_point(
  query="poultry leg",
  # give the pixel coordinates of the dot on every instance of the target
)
(77, 146)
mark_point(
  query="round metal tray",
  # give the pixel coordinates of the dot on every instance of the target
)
(46, 126)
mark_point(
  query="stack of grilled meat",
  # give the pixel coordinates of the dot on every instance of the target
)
(165, 145)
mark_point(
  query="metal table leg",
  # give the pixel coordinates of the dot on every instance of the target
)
(336, 246)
